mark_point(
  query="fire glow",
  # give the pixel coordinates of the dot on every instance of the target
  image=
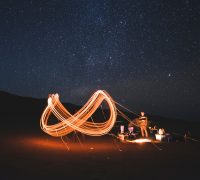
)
(139, 140)
(78, 121)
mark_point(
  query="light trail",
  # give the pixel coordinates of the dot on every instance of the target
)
(78, 122)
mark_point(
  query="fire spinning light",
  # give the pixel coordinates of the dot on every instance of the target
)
(78, 121)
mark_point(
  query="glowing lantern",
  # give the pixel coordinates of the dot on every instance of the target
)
(121, 129)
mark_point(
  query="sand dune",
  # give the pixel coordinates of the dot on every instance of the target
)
(28, 153)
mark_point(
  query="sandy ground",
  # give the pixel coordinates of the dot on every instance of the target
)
(44, 157)
(26, 152)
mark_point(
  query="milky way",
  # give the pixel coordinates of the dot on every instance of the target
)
(146, 54)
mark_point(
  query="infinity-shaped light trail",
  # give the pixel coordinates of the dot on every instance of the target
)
(68, 122)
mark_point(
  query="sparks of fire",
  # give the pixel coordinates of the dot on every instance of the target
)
(69, 122)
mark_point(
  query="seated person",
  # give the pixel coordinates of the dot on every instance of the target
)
(130, 129)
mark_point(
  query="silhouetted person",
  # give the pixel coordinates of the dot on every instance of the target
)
(143, 125)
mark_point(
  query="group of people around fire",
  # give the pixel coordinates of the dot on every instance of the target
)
(143, 125)
(146, 131)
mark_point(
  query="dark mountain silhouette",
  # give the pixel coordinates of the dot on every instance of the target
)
(28, 153)
(22, 114)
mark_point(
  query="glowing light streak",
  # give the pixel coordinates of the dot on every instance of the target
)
(78, 121)
(139, 140)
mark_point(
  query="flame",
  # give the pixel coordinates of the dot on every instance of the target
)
(142, 140)
(139, 140)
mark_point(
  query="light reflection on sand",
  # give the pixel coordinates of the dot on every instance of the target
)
(57, 144)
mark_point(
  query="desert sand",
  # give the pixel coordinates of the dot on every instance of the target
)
(43, 157)
(28, 153)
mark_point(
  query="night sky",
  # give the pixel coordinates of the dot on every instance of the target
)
(145, 53)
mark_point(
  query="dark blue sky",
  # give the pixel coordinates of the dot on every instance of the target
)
(146, 54)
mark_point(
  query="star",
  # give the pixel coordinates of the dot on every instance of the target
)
(127, 47)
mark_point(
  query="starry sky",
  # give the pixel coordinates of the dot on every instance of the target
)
(146, 54)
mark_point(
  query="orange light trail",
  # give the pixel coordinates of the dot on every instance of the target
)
(68, 122)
